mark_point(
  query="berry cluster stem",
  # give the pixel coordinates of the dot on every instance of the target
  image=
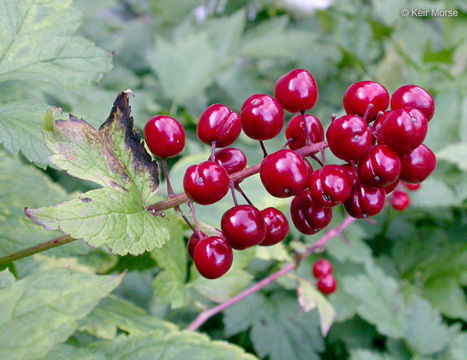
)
(207, 314)
(171, 202)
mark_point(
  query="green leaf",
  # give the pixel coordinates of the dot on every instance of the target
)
(169, 284)
(185, 68)
(175, 345)
(16, 231)
(360, 354)
(37, 43)
(6, 278)
(433, 193)
(68, 352)
(310, 298)
(42, 310)
(379, 300)
(113, 314)
(458, 350)
(455, 153)
(114, 157)
(20, 130)
(425, 330)
(278, 330)
(447, 296)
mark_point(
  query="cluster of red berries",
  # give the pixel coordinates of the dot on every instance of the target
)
(377, 157)
(322, 270)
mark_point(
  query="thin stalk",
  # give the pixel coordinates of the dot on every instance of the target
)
(307, 131)
(239, 189)
(261, 143)
(195, 220)
(213, 151)
(232, 190)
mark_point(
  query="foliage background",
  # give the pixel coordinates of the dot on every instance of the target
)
(402, 281)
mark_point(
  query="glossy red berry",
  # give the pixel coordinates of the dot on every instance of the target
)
(359, 95)
(262, 117)
(349, 137)
(220, 124)
(284, 173)
(193, 242)
(400, 200)
(295, 131)
(231, 159)
(390, 188)
(277, 226)
(307, 216)
(330, 186)
(206, 183)
(412, 187)
(296, 91)
(351, 173)
(327, 284)
(243, 226)
(417, 165)
(164, 136)
(365, 201)
(402, 129)
(213, 257)
(322, 267)
(381, 167)
(411, 96)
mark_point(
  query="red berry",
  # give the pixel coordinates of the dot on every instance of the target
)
(277, 226)
(327, 284)
(330, 186)
(213, 257)
(295, 130)
(262, 117)
(365, 201)
(193, 242)
(307, 216)
(359, 95)
(284, 173)
(243, 226)
(412, 187)
(206, 183)
(231, 159)
(417, 165)
(164, 136)
(349, 137)
(322, 267)
(402, 129)
(381, 167)
(220, 124)
(400, 200)
(411, 96)
(389, 189)
(351, 173)
(296, 91)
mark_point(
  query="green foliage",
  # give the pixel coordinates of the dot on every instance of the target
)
(53, 300)
(401, 280)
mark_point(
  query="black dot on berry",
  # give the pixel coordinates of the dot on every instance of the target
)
(327, 197)
(356, 137)
(255, 102)
(364, 215)
(377, 178)
(286, 191)
(200, 181)
(413, 120)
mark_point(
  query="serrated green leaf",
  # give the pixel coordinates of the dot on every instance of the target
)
(20, 130)
(42, 310)
(447, 296)
(113, 314)
(379, 300)
(32, 188)
(175, 345)
(310, 298)
(169, 284)
(185, 68)
(37, 43)
(278, 329)
(114, 157)
(425, 330)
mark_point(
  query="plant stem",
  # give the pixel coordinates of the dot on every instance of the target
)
(261, 143)
(171, 202)
(213, 151)
(4, 260)
(234, 197)
(195, 220)
(307, 132)
(207, 314)
(239, 189)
